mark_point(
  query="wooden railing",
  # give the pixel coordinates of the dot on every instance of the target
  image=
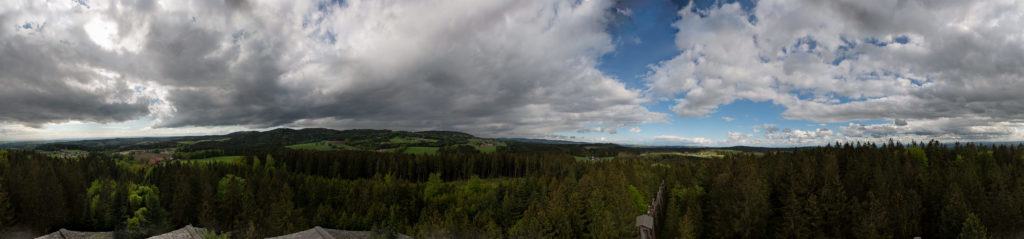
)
(645, 223)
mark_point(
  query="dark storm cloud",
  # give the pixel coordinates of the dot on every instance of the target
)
(44, 81)
(504, 68)
(481, 75)
(899, 122)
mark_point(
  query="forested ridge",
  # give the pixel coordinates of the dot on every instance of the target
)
(839, 191)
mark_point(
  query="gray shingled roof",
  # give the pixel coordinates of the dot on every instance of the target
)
(69, 234)
(190, 232)
(187, 232)
(323, 233)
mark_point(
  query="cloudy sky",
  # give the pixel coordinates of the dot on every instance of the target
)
(768, 73)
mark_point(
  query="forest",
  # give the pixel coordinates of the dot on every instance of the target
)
(851, 190)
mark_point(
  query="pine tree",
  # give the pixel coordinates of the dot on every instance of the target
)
(873, 221)
(282, 216)
(972, 228)
(207, 217)
(183, 206)
(6, 210)
(688, 228)
(794, 222)
(99, 211)
(954, 211)
(269, 165)
(256, 163)
(324, 216)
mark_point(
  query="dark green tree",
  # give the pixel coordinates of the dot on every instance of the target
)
(6, 209)
(972, 228)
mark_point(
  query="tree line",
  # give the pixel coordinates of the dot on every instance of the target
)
(439, 196)
(852, 191)
(837, 191)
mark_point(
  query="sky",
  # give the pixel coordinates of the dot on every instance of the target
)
(649, 72)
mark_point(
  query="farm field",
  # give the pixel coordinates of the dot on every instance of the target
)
(486, 146)
(191, 142)
(322, 145)
(407, 140)
(221, 159)
(421, 150)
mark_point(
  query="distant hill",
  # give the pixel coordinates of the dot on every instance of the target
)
(542, 141)
(699, 148)
(1007, 143)
(311, 138)
(424, 142)
(25, 144)
(369, 138)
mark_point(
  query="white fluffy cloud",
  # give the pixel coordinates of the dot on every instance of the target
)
(953, 129)
(735, 136)
(673, 140)
(507, 67)
(947, 67)
(608, 130)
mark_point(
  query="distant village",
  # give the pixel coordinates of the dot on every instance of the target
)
(66, 154)
(153, 156)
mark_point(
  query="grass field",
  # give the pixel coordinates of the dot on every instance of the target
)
(311, 146)
(197, 141)
(707, 154)
(404, 140)
(486, 149)
(483, 147)
(221, 159)
(322, 145)
(421, 150)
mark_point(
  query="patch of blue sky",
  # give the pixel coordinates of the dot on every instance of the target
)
(807, 43)
(641, 40)
(329, 37)
(647, 37)
(847, 51)
(325, 5)
(745, 116)
(82, 2)
(700, 6)
(883, 42)
(749, 115)
(901, 39)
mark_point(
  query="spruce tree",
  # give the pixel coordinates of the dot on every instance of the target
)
(6, 210)
(972, 228)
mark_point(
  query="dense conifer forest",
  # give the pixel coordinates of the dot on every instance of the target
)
(838, 191)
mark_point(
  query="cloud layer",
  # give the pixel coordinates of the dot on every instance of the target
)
(947, 70)
(935, 68)
(486, 67)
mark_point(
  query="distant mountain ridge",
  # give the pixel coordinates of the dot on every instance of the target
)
(542, 141)
(366, 139)
(369, 139)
